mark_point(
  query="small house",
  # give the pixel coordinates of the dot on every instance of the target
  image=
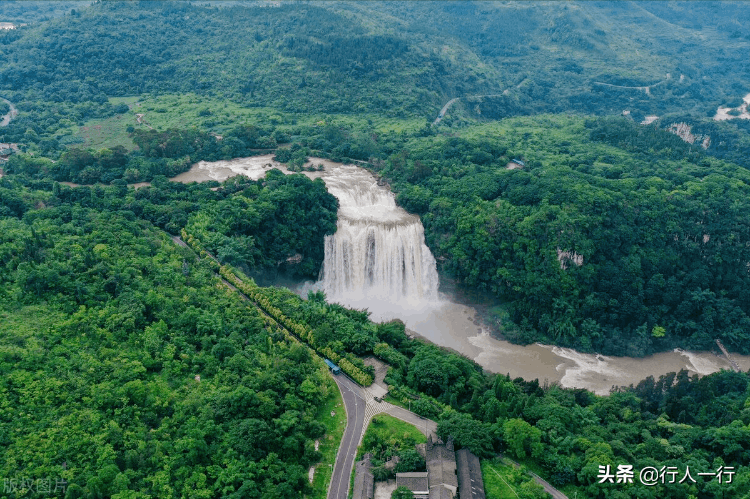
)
(364, 481)
(417, 482)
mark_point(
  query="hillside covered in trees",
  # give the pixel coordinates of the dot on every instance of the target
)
(131, 370)
(623, 246)
(128, 371)
(397, 59)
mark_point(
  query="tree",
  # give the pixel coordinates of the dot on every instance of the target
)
(402, 493)
(531, 490)
(522, 439)
(410, 461)
(467, 432)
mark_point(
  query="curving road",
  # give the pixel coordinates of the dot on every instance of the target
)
(646, 89)
(441, 115)
(355, 404)
(426, 426)
(444, 110)
(361, 406)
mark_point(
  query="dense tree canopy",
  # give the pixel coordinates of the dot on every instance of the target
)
(126, 369)
(595, 242)
(129, 370)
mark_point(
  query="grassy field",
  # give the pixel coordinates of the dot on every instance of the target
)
(185, 110)
(497, 479)
(106, 133)
(389, 428)
(329, 445)
(213, 114)
(504, 481)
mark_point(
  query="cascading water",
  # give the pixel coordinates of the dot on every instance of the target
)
(377, 259)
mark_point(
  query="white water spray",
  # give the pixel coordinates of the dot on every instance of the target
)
(377, 259)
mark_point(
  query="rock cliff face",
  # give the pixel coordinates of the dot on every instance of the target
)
(567, 257)
(684, 131)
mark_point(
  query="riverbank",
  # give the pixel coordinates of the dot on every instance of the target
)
(449, 321)
(457, 318)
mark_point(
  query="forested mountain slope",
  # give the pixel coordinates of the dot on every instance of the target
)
(127, 370)
(396, 59)
(554, 57)
(612, 236)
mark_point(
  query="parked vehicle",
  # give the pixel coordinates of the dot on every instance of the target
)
(333, 367)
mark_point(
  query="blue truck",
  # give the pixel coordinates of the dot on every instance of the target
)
(333, 367)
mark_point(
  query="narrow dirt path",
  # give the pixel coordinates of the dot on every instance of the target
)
(646, 89)
(10, 115)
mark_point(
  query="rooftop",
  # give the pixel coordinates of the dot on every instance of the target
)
(364, 482)
(470, 483)
(416, 482)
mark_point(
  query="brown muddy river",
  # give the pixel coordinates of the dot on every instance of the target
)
(422, 305)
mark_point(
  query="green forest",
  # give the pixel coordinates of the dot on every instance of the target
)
(660, 230)
(506, 59)
(658, 225)
(138, 357)
(127, 372)
(130, 371)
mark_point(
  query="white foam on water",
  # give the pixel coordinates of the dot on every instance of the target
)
(699, 363)
(377, 259)
(253, 167)
(587, 367)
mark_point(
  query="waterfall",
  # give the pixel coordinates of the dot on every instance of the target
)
(386, 262)
(377, 259)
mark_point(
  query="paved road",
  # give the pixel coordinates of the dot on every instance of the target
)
(556, 494)
(354, 402)
(444, 110)
(360, 407)
(426, 426)
(646, 89)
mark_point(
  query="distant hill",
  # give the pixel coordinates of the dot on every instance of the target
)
(397, 59)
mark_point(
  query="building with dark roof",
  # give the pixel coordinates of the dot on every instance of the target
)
(441, 492)
(470, 483)
(441, 468)
(417, 482)
(364, 482)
